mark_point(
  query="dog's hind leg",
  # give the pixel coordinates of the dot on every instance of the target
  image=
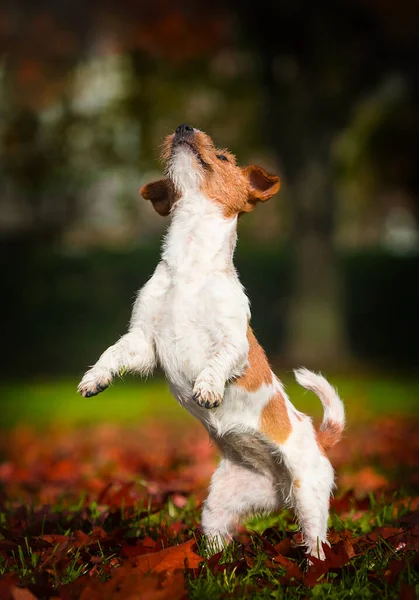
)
(312, 482)
(235, 492)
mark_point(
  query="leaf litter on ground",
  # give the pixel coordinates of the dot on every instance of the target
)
(108, 512)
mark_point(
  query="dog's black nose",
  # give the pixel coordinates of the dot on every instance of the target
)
(184, 129)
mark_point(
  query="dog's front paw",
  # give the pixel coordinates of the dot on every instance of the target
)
(94, 382)
(206, 395)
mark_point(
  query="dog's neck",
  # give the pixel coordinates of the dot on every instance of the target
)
(199, 238)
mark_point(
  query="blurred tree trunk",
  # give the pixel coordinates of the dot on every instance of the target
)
(316, 332)
(315, 319)
(300, 131)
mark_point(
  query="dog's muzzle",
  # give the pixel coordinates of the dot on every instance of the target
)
(183, 131)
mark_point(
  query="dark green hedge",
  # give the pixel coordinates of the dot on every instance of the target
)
(59, 312)
(382, 307)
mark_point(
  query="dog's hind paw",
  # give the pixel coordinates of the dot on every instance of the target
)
(206, 396)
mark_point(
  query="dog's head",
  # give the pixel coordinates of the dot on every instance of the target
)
(194, 164)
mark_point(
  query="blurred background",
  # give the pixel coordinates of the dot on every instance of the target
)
(326, 94)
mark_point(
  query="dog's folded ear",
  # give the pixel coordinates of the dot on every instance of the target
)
(161, 195)
(262, 185)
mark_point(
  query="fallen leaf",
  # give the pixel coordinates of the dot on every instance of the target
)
(22, 594)
(364, 481)
(170, 559)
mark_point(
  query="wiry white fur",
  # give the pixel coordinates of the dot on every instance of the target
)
(334, 411)
(183, 172)
(236, 492)
(312, 483)
(192, 318)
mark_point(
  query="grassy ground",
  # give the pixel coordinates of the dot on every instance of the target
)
(132, 400)
(101, 498)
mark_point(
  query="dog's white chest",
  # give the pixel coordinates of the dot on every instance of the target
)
(192, 323)
(204, 300)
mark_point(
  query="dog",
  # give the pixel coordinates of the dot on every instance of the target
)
(193, 318)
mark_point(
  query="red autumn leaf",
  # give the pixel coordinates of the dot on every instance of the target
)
(7, 583)
(384, 533)
(268, 546)
(284, 547)
(134, 551)
(364, 481)
(54, 539)
(348, 502)
(148, 542)
(98, 534)
(176, 527)
(171, 587)
(335, 558)
(96, 590)
(127, 583)
(125, 496)
(102, 495)
(214, 561)
(394, 568)
(170, 559)
(8, 545)
(349, 549)
(317, 569)
(338, 556)
(62, 471)
(250, 561)
(80, 539)
(162, 542)
(12, 535)
(21, 594)
(293, 571)
(411, 518)
(57, 553)
(407, 592)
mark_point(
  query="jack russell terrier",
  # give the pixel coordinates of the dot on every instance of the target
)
(192, 317)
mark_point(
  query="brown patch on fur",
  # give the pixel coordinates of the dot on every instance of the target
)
(320, 445)
(236, 189)
(297, 483)
(329, 435)
(275, 422)
(258, 370)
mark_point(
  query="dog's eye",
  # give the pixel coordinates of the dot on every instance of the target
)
(222, 157)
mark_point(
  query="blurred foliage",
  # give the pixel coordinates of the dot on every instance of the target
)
(330, 90)
(325, 94)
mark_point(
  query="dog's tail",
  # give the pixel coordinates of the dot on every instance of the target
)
(333, 422)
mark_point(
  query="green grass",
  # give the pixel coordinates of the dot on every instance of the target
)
(363, 577)
(233, 577)
(42, 403)
(130, 401)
